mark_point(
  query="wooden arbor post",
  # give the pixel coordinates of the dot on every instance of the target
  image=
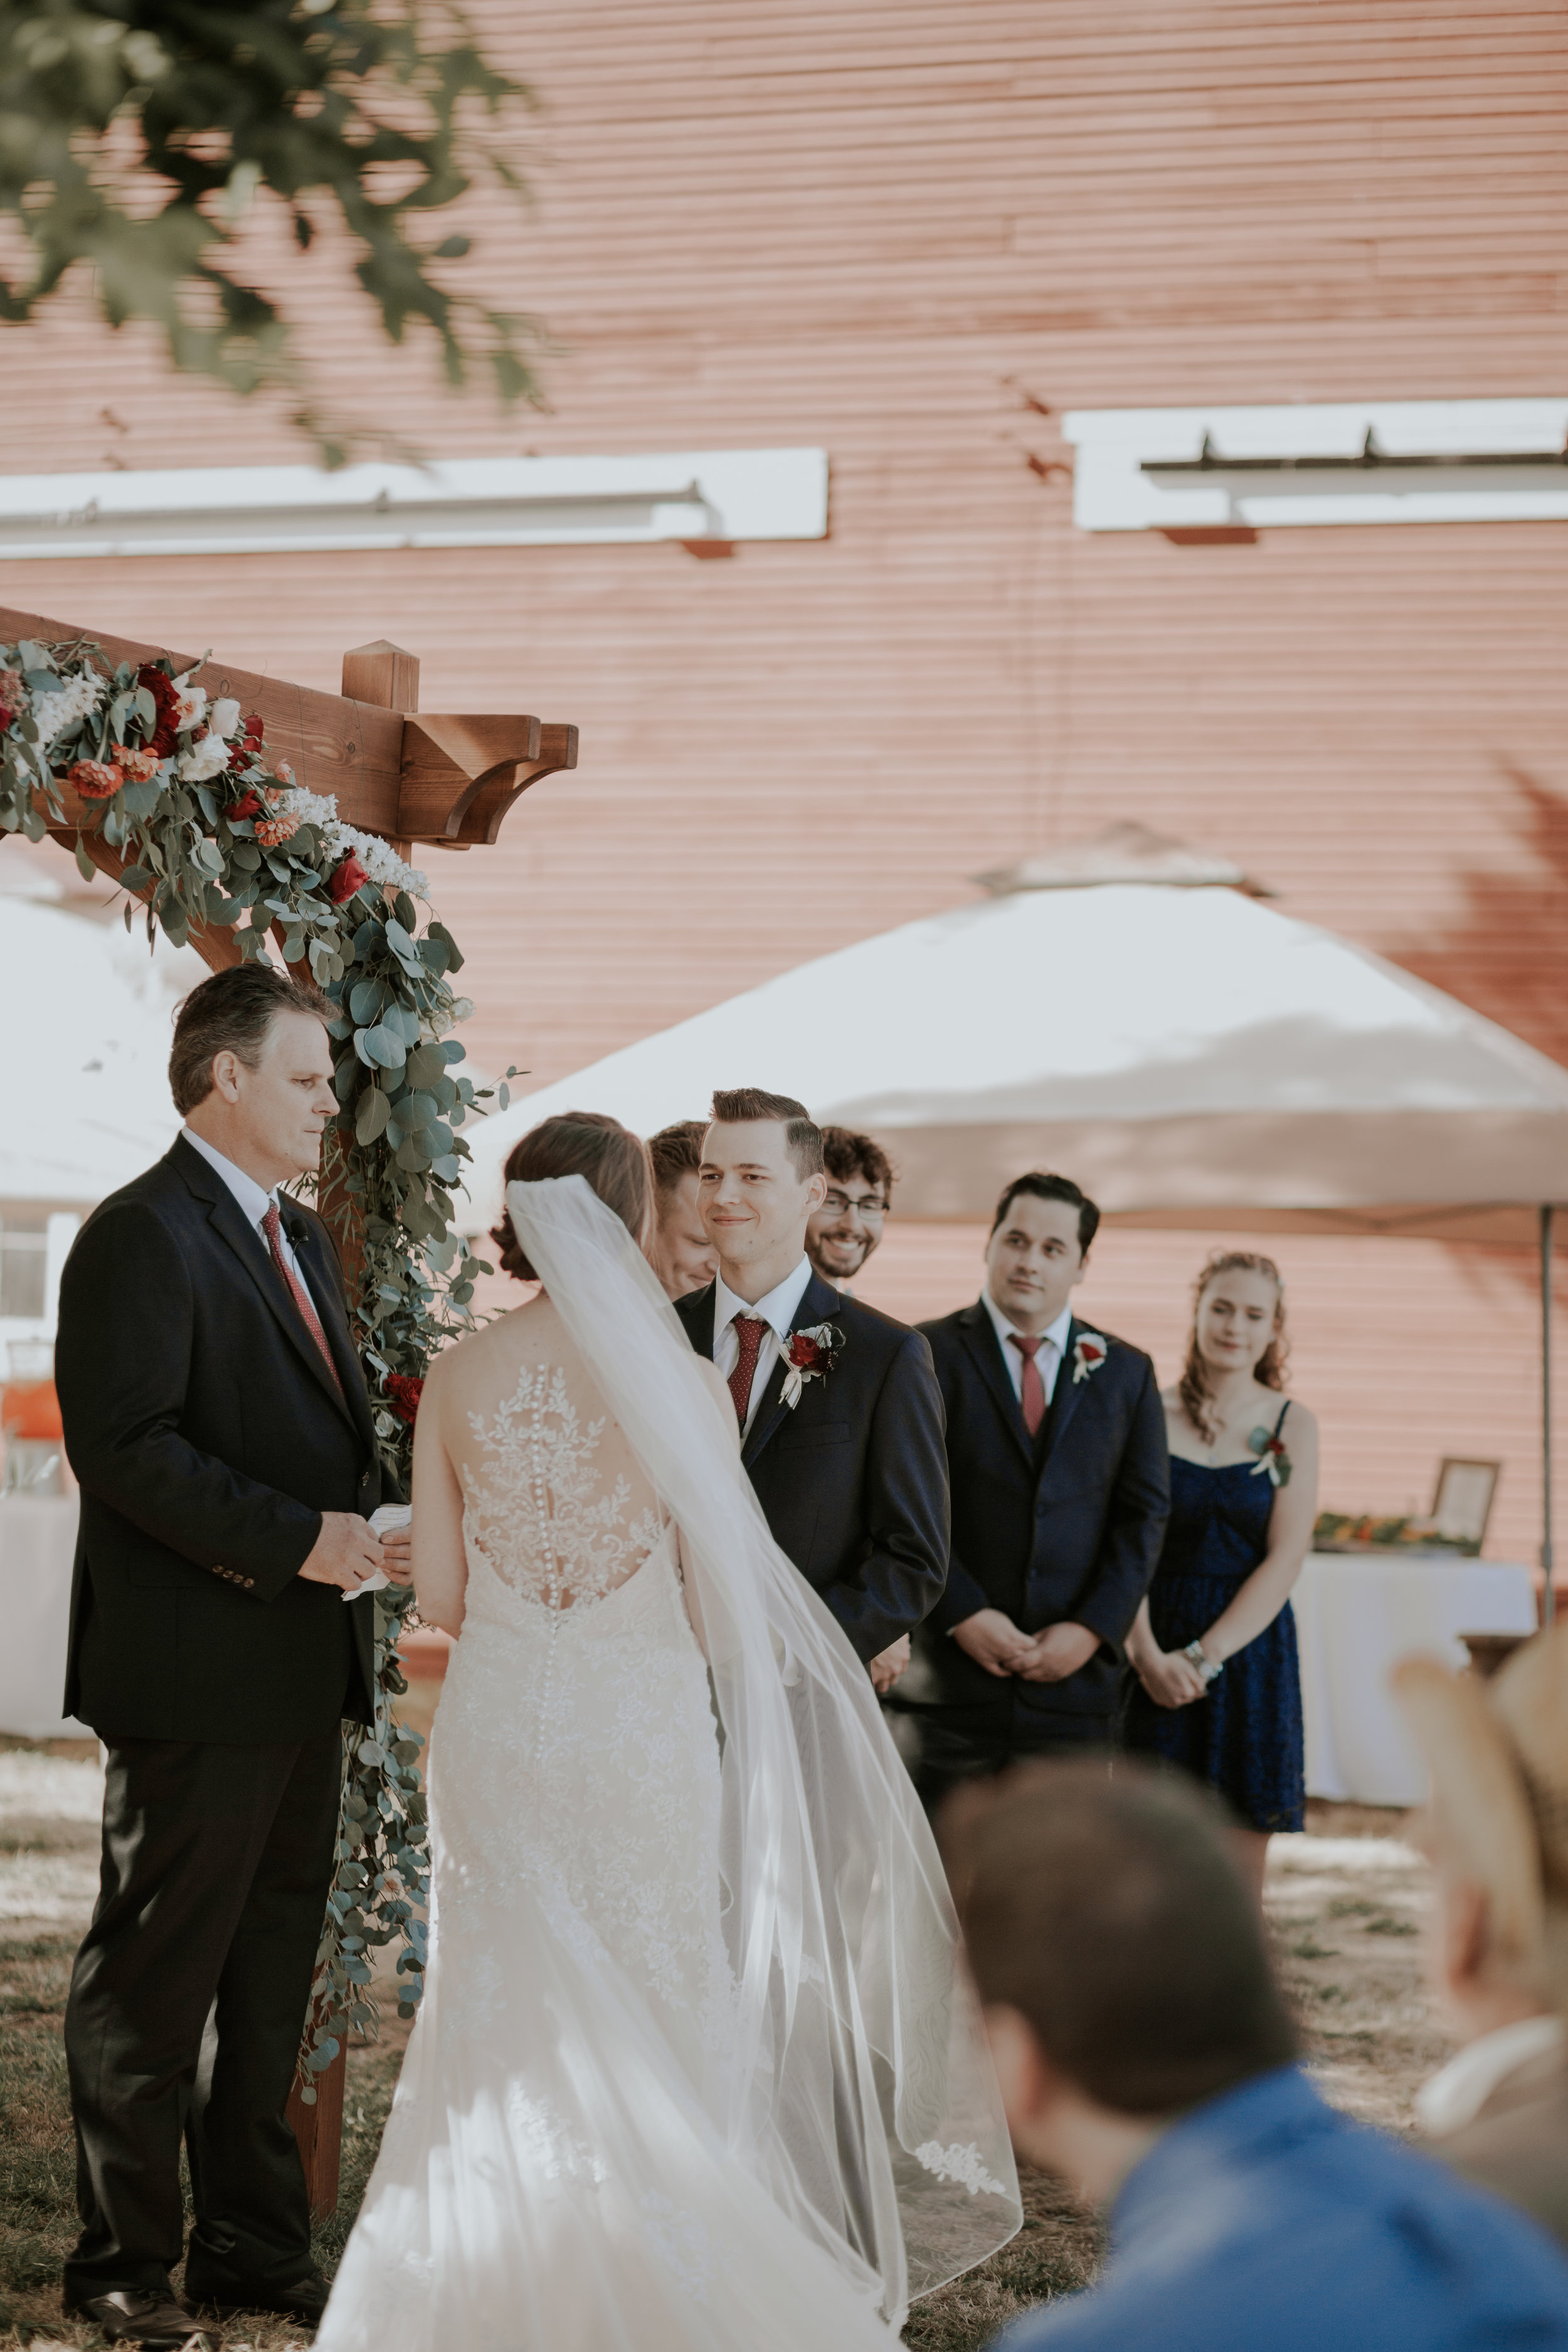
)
(443, 781)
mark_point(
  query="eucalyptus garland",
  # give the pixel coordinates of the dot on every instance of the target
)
(213, 833)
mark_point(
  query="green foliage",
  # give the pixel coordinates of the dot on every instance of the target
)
(212, 835)
(136, 135)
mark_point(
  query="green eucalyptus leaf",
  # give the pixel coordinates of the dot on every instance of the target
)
(373, 1113)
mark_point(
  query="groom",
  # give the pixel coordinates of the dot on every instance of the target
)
(216, 1418)
(847, 1459)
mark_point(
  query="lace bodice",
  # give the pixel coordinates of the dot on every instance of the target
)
(540, 1510)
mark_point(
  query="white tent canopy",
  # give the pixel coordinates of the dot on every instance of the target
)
(1190, 1056)
(84, 1058)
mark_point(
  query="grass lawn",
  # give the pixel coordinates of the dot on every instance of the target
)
(1343, 1907)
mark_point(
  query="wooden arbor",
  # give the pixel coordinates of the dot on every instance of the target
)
(443, 781)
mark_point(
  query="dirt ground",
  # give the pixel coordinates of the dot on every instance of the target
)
(1344, 1900)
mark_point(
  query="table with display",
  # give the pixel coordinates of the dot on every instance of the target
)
(1356, 1615)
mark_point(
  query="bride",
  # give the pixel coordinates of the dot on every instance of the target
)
(697, 2068)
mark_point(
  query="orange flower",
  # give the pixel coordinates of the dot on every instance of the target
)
(273, 831)
(95, 780)
(139, 767)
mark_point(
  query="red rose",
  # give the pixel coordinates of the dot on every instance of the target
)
(95, 780)
(345, 879)
(249, 806)
(165, 695)
(804, 1352)
(404, 1393)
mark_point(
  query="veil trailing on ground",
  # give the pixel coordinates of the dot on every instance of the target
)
(862, 2091)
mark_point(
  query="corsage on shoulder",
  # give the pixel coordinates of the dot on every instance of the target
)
(1275, 1461)
(810, 1355)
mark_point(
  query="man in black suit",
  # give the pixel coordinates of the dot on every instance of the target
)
(1056, 1447)
(216, 1418)
(847, 1459)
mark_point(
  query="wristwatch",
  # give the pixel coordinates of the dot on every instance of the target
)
(1210, 1668)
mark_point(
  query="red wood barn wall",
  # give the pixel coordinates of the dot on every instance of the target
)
(890, 230)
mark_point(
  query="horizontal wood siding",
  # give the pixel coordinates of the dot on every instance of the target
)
(887, 230)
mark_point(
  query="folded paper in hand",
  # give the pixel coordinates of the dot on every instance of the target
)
(389, 1515)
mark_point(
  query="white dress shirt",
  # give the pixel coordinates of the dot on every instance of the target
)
(1052, 1348)
(253, 1202)
(777, 1310)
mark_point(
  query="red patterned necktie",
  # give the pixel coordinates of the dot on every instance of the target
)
(749, 1332)
(272, 1226)
(1034, 1396)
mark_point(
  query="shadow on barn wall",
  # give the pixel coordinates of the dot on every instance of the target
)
(1508, 952)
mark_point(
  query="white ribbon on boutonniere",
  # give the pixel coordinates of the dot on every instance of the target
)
(1275, 1461)
(1090, 1352)
(810, 1355)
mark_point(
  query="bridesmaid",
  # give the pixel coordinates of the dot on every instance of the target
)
(1214, 1646)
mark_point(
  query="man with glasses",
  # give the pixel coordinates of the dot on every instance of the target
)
(842, 1234)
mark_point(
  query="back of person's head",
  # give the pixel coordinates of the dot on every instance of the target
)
(231, 1013)
(1040, 1186)
(586, 1143)
(676, 1151)
(738, 1105)
(1108, 1911)
(847, 1155)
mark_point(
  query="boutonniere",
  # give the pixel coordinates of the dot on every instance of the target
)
(1276, 1461)
(810, 1355)
(1090, 1352)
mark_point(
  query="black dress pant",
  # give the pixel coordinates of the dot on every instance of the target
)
(974, 1743)
(186, 2007)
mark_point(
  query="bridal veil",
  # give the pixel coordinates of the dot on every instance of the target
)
(860, 2090)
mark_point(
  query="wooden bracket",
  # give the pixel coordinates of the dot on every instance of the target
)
(461, 772)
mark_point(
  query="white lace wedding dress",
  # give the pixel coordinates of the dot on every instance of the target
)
(674, 2086)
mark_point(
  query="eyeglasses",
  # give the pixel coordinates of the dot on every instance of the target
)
(836, 1204)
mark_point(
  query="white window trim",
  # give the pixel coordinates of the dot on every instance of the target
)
(706, 495)
(1113, 490)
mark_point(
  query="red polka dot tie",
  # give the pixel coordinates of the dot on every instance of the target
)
(749, 1332)
(271, 1225)
(1033, 1399)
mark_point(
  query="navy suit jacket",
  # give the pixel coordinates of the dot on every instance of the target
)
(853, 1481)
(208, 1438)
(1067, 1526)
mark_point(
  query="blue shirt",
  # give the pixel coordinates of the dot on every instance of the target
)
(1264, 2221)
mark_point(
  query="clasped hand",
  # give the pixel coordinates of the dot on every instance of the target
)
(993, 1642)
(348, 1550)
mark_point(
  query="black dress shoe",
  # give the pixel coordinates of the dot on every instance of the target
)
(131, 2314)
(306, 2299)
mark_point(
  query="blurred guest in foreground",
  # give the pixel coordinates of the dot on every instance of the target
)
(1056, 1448)
(1145, 2055)
(1218, 1689)
(847, 1227)
(1496, 1953)
(683, 1257)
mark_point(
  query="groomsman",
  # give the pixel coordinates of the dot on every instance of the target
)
(851, 1477)
(1060, 1482)
(842, 1234)
(683, 1256)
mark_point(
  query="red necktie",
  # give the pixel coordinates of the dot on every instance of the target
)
(1033, 1399)
(749, 1330)
(272, 1226)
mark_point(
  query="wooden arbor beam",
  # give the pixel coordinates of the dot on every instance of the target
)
(393, 770)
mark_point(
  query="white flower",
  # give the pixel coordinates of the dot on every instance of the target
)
(203, 761)
(73, 699)
(190, 706)
(224, 717)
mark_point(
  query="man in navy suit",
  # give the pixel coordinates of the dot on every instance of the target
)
(844, 1448)
(1061, 1483)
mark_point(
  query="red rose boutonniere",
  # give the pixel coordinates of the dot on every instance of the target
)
(810, 1355)
(1089, 1353)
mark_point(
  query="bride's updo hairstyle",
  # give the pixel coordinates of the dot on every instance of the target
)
(586, 1143)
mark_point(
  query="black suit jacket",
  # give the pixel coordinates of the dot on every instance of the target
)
(853, 1480)
(1066, 1525)
(208, 1438)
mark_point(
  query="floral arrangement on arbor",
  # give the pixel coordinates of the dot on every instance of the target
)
(213, 833)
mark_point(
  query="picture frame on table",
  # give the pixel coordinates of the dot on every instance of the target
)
(1462, 1498)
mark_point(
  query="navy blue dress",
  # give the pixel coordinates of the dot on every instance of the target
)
(1244, 1737)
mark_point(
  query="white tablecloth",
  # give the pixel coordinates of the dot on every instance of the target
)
(37, 1543)
(1355, 1616)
